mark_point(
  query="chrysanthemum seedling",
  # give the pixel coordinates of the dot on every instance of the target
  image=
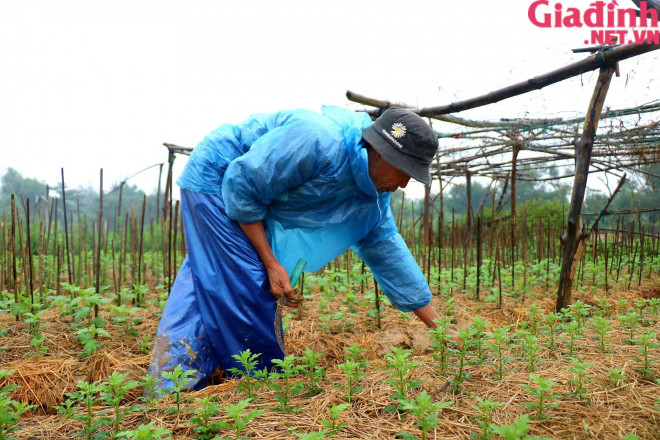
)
(113, 393)
(87, 394)
(147, 432)
(517, 430)
(630, 321)
(150, 386)
(354, 372)
(10, 410)
(574, 330)
(478, 326)
(461, 352)
(181, 379)
(399, 366)
(646, 341)
(426, 412)
(529, 345)
(616, 376)
(601, 327)
(550, 327)
(249, 374)
(579, 368)
(311, 369)
(542, 394)
(604, 306)
(203, 426)
(498, 343)
(440, 340)
(240, 417)
(486, 408)
(535, 314)
(580, 311)
(313, 435)
(333, 425)
(285, 372)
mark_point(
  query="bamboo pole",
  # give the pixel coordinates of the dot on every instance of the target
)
(66, 229)
(571, 239)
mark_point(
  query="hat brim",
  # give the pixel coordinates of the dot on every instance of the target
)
(414, 168)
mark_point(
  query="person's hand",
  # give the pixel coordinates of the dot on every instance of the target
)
(453, 335)
(281, 285)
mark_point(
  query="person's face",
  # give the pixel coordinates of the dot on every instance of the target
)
(384, 176)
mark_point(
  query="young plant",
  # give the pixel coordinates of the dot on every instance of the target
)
(550, 326)
(499, 341)
(535, 314)
(334, 426)
(399, 366)
(460, 351)
(580, 312)
(630, 321)
(542, 394)
(478, 327)
(240, 417)
(426, 412)
(121, 316)
(574, 330)
(181, 380)
(203, 426)
(286, 371)
(146, 432)
(10, 410)
(486, 408)
(530, 348)
(87, 394)
(249, 374)
(320, 435)
(580, 370)
(616, 376)
(440, 340)
(646, 342)
(113, 393)
(601, 327)
(313, 371)
(150, 386)
(354, 367)
(517, 430)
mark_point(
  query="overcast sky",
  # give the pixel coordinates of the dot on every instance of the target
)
(86, 85)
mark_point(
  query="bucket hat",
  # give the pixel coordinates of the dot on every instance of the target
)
(405, 141)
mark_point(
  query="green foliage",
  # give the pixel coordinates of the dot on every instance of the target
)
(333, 425)
(354, 367)
(426, 412)
(281, 380)
(10, 410)
(400, 366)
(646, 342)
(517, 430)
(486, 408)
(87, 394)
(542, 394)
(241, 418)
(460, 351)
(113, 393)
(529, 345)
(146, 432)
(180, 381)
(498, 343)
(311, 369)
(249, 374)
(616, 376)
(440, 340)
(601, 327)
(203, 425)
(477, 327)
(580, 370)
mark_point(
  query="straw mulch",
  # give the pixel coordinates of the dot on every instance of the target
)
(615, 409)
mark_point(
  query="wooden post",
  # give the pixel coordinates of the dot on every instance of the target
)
(571, 239)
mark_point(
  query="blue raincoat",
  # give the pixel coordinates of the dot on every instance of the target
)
(305, 175)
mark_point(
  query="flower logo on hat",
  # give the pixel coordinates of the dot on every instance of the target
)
(398, 130)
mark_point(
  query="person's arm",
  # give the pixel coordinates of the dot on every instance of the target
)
(277, 275)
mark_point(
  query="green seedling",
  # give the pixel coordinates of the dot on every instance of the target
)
(616, 376)
(150, 386)
(542, 394)
(88, 337)
(311, 369)
(517, 430)
(400, 366)
(580, 311)
(354, 372)
(630, 321)
(440, 340)
(249, 373)
(478, 327)
(530, 348)
(460, 351)
(281, 380)
(499, 340)
(535, 314)
(147, 432)
(121, 316)
(550, 326)
(604, 306)
(486, 408)
(426, 412)
(203, 426)
(580, 370)
(601, 327)
(87, 394)
(240, 418)
(323, 434)
(10, 410)
(647, 341)
(574, 330)
(333, 425)
(113, 393)
(181, 380)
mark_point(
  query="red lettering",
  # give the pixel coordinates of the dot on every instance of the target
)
(645, 13)
(531, 13)
(593, 17)
(572, 18)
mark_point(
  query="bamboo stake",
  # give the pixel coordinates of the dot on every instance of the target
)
(66, 230)
(99, 221)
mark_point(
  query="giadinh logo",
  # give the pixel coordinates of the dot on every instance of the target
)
(398, 130)
(609, 23)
